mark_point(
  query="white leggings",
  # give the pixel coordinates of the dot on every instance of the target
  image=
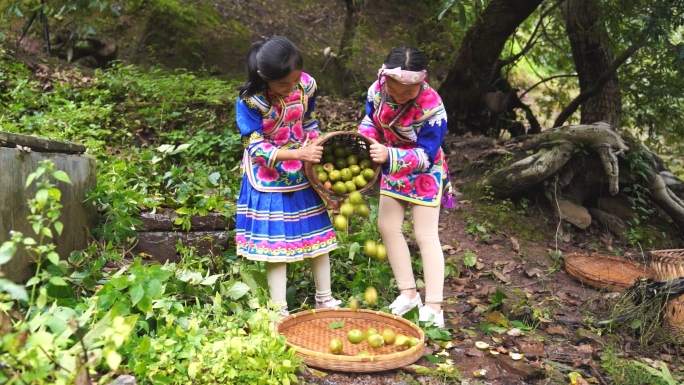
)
(276, 274)
(425, 226)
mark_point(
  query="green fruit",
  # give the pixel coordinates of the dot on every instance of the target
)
(322, 176)
(355, 169)
(401, 340)
(370, 249)
(354, 304)
(382, 252)
(355, 197)
(328, 158)
(340, 222)
(389, 336)
(339, 152)
(371, 295)
(340, 163)
(336, 144)
(370, 332)
(336, 346)
(339, 187)
(346, 174)
(364, 155)
(368, 173)
(376, 341)
(355, 336)
(327, 150)
(413, 341)
(363, 210)
(327, 167)
(347, 209)
(318, 167)
(351, 186)
(352, 160)
(360, 181)
(364, 353)
(334, 175)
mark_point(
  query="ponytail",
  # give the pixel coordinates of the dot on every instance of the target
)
(254, 83)
(269, 60)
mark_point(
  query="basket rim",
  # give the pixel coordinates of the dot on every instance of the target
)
(350, 363)
(582, 273)
(329, 196)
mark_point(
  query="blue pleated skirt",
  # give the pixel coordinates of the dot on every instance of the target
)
(282, 226)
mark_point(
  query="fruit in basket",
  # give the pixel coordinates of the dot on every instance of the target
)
(339, 187)
(365, 163)
(355, 169)
(351, 186)
(334, 176)
(371, 295)
(368, 173)
(328, 167)
(364, 353)
(339, 152)
(376, 341)
(340, 222)
(352, 160)
(355, 336)
(347, 209)
(340, 163)
(370, 332)
(327, 185)
(336, 346)
(346, 174)
(322, 176)
(360, 181)
(401, 340)
(413, 341)
(389, 336)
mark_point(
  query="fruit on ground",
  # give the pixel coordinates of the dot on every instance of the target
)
(347, 209)
(382, 252)
(370, 249)
(355, 336)
(389, 335)
(376, 341)
(355, 197)
(340, 222)
(371, 295)
(336, 346)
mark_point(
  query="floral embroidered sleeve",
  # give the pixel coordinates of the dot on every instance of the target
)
(310, 123)
(367, 126)
(422, 157)
(249, 121)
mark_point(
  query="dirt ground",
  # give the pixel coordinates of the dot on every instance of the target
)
(540, 292)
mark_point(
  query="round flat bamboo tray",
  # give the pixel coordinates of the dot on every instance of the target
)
(669, 264)
(351, 140)
(605, 272)
(309, 334)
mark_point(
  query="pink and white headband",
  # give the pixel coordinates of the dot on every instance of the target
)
(403, 76)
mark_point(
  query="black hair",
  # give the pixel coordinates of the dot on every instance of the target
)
(269, 60)
(407, 58)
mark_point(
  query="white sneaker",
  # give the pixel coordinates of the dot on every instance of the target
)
(426, 314)
(403, 304)
(329, 303)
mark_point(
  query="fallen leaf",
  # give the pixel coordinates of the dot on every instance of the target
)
(501, 277)
(515, 332)
(508, 268)
(534, 272)
(474, 352)
(515, 244)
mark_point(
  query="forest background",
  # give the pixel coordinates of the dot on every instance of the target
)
(149, 88)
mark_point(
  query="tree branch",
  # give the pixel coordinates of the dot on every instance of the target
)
(546, 80)
(584, 96)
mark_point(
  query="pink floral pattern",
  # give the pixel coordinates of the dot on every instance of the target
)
(426, 185)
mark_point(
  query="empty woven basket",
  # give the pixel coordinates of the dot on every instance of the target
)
(605, 272)
(309, 333)
(669, 264)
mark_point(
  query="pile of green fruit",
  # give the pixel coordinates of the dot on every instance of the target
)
(344, 169)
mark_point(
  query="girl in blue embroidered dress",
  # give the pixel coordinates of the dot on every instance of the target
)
(280, 218)
(404, 112)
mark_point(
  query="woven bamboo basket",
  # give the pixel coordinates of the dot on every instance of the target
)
(605, 272)
(309, 334)
(669, 264)
(350, 140)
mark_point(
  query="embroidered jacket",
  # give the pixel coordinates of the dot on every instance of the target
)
(268, 124)
(416, 170)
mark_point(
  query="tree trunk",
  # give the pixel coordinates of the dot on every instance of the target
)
(475, 67)
(592, 55)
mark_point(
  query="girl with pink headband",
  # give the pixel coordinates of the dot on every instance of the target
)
(407, 116)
